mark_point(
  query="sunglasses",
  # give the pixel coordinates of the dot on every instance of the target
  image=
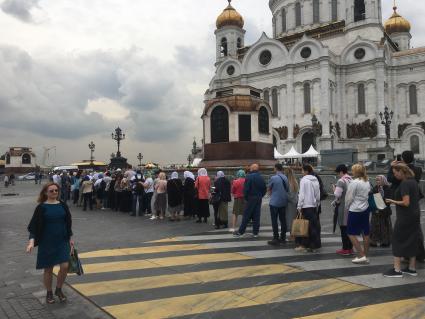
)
(53, 191)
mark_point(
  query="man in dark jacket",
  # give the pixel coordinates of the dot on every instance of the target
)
(254, 191)
(407, 158)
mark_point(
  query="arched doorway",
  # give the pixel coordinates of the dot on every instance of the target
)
(306, 141)
(219, 125)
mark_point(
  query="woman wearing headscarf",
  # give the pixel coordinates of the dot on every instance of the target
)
(161, 195)
(126, 198)
(175, 196)
(222, 190)
(381, 226)
(238, 199)
(203, 187)
(189, 194)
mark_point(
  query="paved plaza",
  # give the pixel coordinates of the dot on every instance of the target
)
(137, 268)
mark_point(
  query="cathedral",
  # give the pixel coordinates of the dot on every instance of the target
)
(324, 78)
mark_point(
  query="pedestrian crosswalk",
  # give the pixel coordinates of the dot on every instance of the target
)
(214, 275)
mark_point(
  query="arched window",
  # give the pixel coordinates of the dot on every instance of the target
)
(334, 10)
(275, 105)
(361, 99)
(26, 159)
(266, 96)
(263, 121)
(283, 20)
(316, 11)
(223, 48)
(297, 14)
(307, 98)
(219, 125)
(413, 99)
(239, 43)
(414, 144)
(8, 159)
(359, 10)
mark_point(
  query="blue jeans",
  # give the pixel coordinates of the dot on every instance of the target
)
(252, 210)
(278, 212)
(137, 198)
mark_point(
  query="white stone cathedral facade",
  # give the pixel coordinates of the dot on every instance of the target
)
(332, 60)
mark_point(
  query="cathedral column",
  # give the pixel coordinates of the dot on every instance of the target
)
(324, 97)
(380, 98)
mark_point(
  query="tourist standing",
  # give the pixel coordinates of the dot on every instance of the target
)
(407, 228)
(203, 188)
(308, 204)
(138, 194)
(278, 189)
(51, 230)
(118, 192)
(107, 179)
(341, 212)
(149, 190)
(189, 194)
(357, 202)
(161, 196)
(87, 191)
(238, 198)
(175, 196)
(291, 208)
(65, 186)
(6, 180)
(222, 188)
(254, 191)
(126, 198)
(76, 188)
(380, 225)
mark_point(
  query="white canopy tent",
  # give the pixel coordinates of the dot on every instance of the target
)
(311, 152)
(277, 155)
(292, 154)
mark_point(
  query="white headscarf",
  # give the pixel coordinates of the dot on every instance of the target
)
(202, 172)
(188, 174)
(174, 175)
(220, 174)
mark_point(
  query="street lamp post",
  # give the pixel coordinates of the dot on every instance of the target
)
(386, 120)
(118, 137)
(91, 147)
(140, 157)
(189, 159)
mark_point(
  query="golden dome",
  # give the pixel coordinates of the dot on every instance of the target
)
(396, 23)
(229, 17)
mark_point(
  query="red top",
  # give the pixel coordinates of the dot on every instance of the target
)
(203, 185)
(237, 187)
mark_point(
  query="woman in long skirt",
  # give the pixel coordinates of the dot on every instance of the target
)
(175, 196)
(380, 225)
(161, 196)
(189, 194)
(203, 187)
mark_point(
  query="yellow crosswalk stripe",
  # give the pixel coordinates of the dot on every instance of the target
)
(403, 309)
(161, 262)
(141, 250)
(199, 277)
(232, 299)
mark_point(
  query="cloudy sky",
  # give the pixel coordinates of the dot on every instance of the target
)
(73, 70)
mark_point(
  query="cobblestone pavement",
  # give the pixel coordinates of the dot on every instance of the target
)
(99, 234)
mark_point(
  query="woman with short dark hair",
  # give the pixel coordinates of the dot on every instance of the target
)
(51, 230)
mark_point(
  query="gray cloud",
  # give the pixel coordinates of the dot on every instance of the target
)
(20, 9)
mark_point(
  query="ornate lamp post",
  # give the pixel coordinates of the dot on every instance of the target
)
(140, 157)
(118, 137)
(189, 159)
(91, 147)
(386, 120)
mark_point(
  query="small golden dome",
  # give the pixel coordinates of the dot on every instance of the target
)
(229, 17)
(396, 23)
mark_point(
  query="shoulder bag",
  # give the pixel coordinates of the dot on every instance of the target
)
(300, 226)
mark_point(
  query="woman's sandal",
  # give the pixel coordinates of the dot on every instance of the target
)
(60, 295)
(49, 298)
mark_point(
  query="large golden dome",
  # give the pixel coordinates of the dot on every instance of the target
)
(396, 24)
(229, 17)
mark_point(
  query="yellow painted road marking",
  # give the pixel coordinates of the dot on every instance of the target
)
(165, 240)
(238, 298)
(161, 262)
(403, 309)
(199, 277)
(141, 250)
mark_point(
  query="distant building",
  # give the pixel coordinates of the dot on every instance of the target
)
(20, 160)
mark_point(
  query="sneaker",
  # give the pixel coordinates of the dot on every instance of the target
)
(236, 234)
(362, 260)
(153, 217)
(231, 230)
(392, 273)
(300, 249)
(409, 272)
(274, 242)
(344, 252)
(255, 235)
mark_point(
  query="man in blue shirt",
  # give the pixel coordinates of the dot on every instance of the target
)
(254, 191)
(278, 189)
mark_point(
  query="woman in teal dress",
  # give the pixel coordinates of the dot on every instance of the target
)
(51, 230)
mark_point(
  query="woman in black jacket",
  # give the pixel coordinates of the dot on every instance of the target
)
(222, 191)
(51, 230)
(175, 196)
(189, 194)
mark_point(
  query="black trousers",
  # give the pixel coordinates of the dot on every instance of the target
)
(88, 198)
(346, 242)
